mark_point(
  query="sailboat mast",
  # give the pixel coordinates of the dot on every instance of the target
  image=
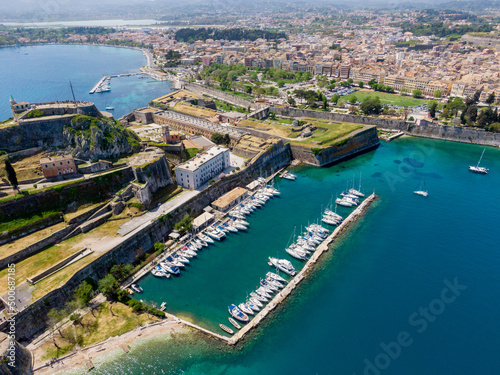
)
(479, 162)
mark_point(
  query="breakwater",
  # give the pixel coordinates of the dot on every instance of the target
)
(287, 290)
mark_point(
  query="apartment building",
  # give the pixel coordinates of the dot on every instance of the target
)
(203, 167)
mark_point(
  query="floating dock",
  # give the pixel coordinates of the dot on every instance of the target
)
(285, 292)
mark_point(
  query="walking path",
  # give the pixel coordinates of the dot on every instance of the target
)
(140, 221)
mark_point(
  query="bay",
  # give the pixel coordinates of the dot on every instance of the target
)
(43, 73)
(421, 271)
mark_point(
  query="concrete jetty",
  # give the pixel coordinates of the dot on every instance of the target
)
(286, 291)
(101, 81)
(323, 247)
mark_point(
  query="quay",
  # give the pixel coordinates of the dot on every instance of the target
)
(103, 79)
(397, 135)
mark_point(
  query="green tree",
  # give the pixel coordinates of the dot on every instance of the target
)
(109, 286)
(159, 247)
(438, 94)
(291, 101)
(83, 293)
(226, 139)
(432, 109)
(185, 225)
(217, 138)
(11, 174)
(361, 84)
(416, 93)
(335, 98)
(491, 98)
(280, 83)
(55, 321)
(353, 99)
(371, 106)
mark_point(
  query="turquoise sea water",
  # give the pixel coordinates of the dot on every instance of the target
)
(42, 73)
(423, 272)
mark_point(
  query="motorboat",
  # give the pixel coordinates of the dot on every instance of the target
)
(136, 288)
(354, 201)
(241, 221)
(273, 190)
(110, 108)
(243, 307)
(222, 229)
(229, 227)
(170, 268)
(159, 272)
(283, 265)
(237, 313)
(275, 276)
(185, 254)
(226, 329)
(207, 239)
(215, 234)
(234, 323)
(254, 306)
(477, 168)
(239, 226)
(180, 258)
(421, 192)
(200, 242)
(175, 262)
(289, 176)
(258, 297)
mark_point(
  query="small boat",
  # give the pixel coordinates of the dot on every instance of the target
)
(333, 214)
(420, 191)
(268, 285)
(477, 168)
(222, 229)
(289, 176)
(200, 242)
(329, 220)
(237, 313)
(276, 283)
(305, 245)
(170, 268)
(234, 323)
(264, 292)
(296, 254)
(239, 226)
(180, 258)
(275, 276)
(215, 234)
(243, 307)
(189, 252)
(230, 227)
(207, 239)
(259, 297)
(109, 108)
(174, 262)
(283, 265)
(159, 272)
(343, 202)
(136, 288)
(254, 306)
(226, 329)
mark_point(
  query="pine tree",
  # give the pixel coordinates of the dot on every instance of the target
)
(11, 174)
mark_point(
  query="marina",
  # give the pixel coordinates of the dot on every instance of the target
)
(273, 288)
(103, 85)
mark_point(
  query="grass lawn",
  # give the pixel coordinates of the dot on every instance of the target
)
(194, 110)
(95, 329)
(21, 222)
(191, 152)
(81, 210)
(274, 129)
(386, 98)
(328, 132)
(19, 244)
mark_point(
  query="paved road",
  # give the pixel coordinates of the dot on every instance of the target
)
(163, 209)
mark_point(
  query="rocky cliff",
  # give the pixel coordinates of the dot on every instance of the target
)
(99, 138)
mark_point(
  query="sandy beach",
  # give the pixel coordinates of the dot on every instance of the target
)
(79, 361)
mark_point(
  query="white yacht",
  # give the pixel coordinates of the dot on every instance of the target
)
(289, 176)
(296, 254)
(254, 304)
(207, 239)
(275, 276)
(343, 202)
(259, 297)
(283, 265)
(477, 168)
(243, 307)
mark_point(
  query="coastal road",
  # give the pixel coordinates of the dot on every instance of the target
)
(163, 209)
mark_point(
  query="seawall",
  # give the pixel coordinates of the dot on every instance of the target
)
(427, 130)
(357, 143)
(33, 319)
